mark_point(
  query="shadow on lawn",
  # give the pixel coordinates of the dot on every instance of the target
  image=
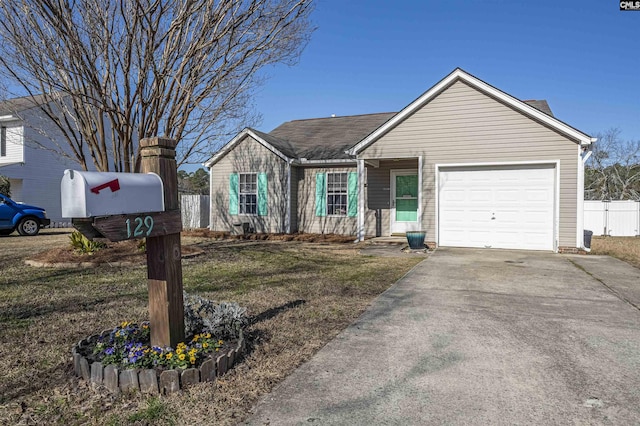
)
(272, 312)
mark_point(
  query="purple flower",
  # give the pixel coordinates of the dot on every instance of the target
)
(109, 351)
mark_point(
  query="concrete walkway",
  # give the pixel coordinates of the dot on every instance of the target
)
(480, 337)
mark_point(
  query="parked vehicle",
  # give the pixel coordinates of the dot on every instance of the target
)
(26, 219)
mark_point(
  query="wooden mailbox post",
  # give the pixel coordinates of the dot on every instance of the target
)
(160, 228)
(164, 261)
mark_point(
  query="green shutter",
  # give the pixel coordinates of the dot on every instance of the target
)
(262, 194)
(321, 195)
(233, 193)
(352, 198)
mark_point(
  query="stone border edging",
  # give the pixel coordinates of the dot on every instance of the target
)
(147, 380)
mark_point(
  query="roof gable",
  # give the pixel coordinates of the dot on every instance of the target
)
(260, 137)
(533, 109)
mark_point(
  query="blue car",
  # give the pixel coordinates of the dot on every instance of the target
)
(27, 220)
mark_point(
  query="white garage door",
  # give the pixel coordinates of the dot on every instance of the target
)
(497, 207)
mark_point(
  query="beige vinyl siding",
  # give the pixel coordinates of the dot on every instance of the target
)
(249, 156)
(306, 201)
(465, 126)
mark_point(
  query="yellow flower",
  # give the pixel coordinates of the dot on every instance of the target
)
(179, 350)
(192, 360)
(220, 342)
(207, 336)
(205, 345)
(181, 357)
(124, 324)
(217, 349)
(195, 338)
(169, 355)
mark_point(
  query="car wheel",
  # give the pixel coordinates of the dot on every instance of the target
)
(29, 226)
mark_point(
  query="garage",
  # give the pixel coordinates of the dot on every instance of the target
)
(508, 207)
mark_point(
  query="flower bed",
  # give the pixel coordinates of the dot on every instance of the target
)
(123, 360)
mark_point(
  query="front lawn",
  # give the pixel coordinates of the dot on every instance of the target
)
(623, 248)
(300, 295)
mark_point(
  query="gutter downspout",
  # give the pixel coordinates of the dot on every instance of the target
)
(583, 156)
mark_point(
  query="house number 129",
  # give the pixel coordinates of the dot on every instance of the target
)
(143, 227)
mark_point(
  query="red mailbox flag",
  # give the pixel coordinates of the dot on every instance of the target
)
(113, 185)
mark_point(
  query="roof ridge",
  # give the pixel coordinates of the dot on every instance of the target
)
(341, 116)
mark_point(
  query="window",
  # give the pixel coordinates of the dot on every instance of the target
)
(3, 141)
(248, 193)
(337, 189)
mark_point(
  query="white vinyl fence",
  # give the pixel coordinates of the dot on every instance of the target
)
(195, 211)
(614, 218)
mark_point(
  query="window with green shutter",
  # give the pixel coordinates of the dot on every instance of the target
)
(248, 194)
(233, 193)
(352, 209)
(337, 194)
(321, 198)
(262, 194)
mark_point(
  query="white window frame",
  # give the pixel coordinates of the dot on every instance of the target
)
(242, 206)
(338, 193)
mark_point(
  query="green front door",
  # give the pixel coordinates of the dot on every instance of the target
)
(404, 215)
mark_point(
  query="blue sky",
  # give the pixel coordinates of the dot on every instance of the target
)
(378, 56)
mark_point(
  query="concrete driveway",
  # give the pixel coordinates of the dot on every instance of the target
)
(480, 337)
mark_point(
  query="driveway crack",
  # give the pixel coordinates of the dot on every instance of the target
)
(605, 285)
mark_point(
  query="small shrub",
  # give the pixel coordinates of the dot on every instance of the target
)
(5, 186)
(82, 244)
(224, 320)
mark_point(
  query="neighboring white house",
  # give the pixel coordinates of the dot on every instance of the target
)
(30, 146)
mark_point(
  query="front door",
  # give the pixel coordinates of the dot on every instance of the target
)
(404, 201)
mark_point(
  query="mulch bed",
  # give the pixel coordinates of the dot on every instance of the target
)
(307, 238)
(124, 252)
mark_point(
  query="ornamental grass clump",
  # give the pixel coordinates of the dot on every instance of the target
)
(128, 346)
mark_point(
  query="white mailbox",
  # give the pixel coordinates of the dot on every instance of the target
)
(90, 194)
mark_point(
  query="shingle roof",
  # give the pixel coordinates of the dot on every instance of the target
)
(324, 138)
(328, 138)
(540, 105)
(12, 106)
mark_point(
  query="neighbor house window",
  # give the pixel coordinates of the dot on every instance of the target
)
(248, 193)
(3, 141)
(337, 190)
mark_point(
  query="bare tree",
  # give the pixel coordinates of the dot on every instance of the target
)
(114, 72)
(613, 170)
